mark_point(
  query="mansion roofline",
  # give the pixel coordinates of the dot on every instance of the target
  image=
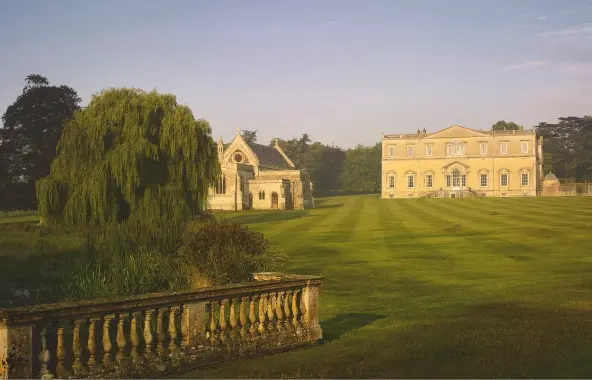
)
(420, 134)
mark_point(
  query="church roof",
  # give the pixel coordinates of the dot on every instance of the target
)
(269, 156)
(550, 176)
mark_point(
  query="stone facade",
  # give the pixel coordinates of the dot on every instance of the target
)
(260, 177)
(461, 162)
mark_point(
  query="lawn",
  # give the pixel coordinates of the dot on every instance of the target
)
(425, 288)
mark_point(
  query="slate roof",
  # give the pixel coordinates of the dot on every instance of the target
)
(269, 156)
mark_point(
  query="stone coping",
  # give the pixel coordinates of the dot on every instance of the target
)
(264, 282)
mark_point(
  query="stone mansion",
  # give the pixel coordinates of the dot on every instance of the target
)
(260, 177)
(461, 162)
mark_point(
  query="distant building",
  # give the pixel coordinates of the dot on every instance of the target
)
(256, 176)
(461, 162)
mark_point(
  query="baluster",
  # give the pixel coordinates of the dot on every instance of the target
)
(148, 336)
(174, 310)
(279, 312)
(252, 316)
(184, 327)
(77, 347)
(91, 344)
(135, 336)
(295, 309)
(305, 318)
(222, 320)
(160, 332)
(60, 352)
(242, 316)
(121, 356)
(287, 321)
(261, 324)
(107, 346)
(232, 318)
(213, 325)
(270, 311)
(44, 354)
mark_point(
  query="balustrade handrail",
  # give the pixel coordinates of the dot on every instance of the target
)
(79, 309)
(151, 335)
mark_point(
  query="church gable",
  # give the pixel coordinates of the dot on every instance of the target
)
(264, 156)
(239, 151)
(456, 131)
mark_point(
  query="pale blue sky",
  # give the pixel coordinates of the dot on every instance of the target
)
(343, 71)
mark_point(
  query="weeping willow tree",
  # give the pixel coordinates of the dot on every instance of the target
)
(129, 156)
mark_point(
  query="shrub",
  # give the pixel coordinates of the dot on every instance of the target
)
(129, 259)
(225, 252)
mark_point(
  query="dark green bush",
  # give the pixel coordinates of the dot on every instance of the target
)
(225, 252)
(128, 259)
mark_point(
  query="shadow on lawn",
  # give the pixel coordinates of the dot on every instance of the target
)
(269, 216)
(491, 340)
(344, 323)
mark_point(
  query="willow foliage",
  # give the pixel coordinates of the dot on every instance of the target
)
(130, 155)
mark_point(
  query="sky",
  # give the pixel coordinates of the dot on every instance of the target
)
(342, 71)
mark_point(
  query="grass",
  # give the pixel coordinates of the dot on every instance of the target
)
(438, 288)
(426, 288)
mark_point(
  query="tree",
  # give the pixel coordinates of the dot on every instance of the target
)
(130, 156)
(361, 171)
(32, 128)
(249, 136)
(325, 164)
(569, 143)
(322, 163)
(503, 125)
(295, 149)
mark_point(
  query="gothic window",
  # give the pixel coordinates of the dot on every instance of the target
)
(221, 185)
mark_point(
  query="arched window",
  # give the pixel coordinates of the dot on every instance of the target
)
(221, 185)
(456, 178)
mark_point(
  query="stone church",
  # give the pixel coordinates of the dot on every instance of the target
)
(259, 177)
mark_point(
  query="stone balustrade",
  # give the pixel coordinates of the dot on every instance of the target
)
(161, 333)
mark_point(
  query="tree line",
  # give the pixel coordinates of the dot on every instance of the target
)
(33, 126)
